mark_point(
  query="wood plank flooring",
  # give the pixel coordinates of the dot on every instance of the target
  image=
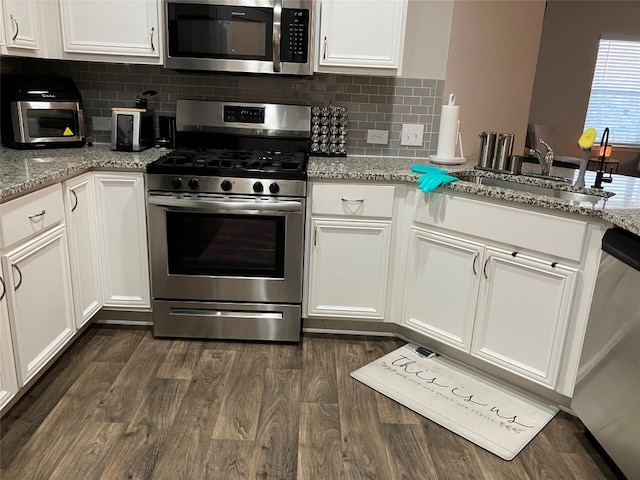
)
(120, 404)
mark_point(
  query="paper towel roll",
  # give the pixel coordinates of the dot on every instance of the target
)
(448, 129)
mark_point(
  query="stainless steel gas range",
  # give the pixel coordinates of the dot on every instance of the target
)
(226, 222)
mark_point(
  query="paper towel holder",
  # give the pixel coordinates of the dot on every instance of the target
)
(445, 126)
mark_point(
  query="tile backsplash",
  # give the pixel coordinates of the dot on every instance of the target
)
(381, 103)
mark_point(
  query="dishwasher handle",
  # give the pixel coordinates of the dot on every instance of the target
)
(623, 245)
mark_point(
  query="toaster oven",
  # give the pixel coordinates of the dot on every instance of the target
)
(41, 112)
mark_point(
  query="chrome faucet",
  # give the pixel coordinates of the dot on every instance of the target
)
(545, 160)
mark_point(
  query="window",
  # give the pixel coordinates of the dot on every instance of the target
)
(615, 92)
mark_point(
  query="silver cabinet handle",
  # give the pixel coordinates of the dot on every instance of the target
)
(75, 197)
(315, 235)
(153, 48)
(36, 215)
(355, 200)
(484, 269)
(324, 49)
(19, 273)
(473, 265)
(4, 289)
(15, 22)
(277, 34)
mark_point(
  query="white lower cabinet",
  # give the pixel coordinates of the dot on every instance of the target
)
(523, 314)
(443, 280)
(122, 239)
(469, 287)
(84, 254)
(8, 379)
(349, 266)
(38, 285)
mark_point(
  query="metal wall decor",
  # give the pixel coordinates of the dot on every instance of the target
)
(329, 131)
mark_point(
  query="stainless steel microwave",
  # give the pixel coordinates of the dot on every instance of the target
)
(250, 36)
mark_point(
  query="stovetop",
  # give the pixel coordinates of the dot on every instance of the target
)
(267, 164)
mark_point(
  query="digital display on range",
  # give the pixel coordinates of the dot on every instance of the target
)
(239, 114)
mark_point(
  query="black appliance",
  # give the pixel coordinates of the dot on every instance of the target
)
(226, 216)
(41, 111)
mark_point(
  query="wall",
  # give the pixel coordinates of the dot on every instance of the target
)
(426, 43)
(568, 51)
(491, 66)
(372, 102)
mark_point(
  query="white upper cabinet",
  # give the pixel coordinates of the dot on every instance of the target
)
(111, 30)
(359, 35)
(21, 25)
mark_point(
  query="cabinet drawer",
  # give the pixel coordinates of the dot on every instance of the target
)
(352, 199)
(516, 227)
(32, 213)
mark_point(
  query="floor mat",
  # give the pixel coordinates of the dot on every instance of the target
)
(485, 413)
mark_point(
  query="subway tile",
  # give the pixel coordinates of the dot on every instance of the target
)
(369, 89)
(360, 98)
(413, 82)
(380, 80)
(376, 117)
(409, 118)
(422, 92)
(367, 107)
(355, 150)
(344, 79)
(411, 100)
(400, 91)
(406, 152)
(419, 109)
(353, 88)
(378, 99)
(366, 125)
(343, 97)
(429, 83)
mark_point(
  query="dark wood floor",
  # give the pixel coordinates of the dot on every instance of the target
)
(120, 404)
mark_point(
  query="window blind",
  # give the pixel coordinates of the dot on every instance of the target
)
(615, 92)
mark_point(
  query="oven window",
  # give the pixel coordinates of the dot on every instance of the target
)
(225, 245)
(51, 123)
(210, 31)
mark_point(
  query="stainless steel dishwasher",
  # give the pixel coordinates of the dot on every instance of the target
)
(607, 393)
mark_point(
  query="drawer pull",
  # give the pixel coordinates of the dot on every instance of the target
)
(484, 268)
(4, 289)
(19, 273)
(153, 47)
(356, 200)
(75, 197)
(15, 22)
(473, 265)
(36, 215)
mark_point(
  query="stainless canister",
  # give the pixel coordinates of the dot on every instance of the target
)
(487, 149)
(503, 151)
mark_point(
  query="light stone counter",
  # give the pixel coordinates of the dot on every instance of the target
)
(621, 209)
(22, 171)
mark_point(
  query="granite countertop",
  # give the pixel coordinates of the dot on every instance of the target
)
(621, 209)
(22, 171)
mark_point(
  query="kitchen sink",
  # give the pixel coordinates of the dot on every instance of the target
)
(563, 192)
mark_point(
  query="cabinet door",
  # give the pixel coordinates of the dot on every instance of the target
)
(441, 288)
(8, 380)
(112, 27)
(21, 24)
(348, 269)
(38, 286)
(83, 247)
(122, 239)
(523, 314)
(361, 33)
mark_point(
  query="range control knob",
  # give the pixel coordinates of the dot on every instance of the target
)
(176, 182)
(225, 185)
(194, 183)
(257, 187)
(274, 188)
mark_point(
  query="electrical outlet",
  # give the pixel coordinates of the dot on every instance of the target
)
(101, 124)
(380, 137)
(412, 134)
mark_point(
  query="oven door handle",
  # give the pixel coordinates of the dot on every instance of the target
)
(234, 206)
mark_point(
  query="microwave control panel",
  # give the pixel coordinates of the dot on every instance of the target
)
(295, 35)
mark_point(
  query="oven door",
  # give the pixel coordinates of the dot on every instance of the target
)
(221, 248)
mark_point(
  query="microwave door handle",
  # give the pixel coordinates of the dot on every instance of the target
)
(277, 33)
